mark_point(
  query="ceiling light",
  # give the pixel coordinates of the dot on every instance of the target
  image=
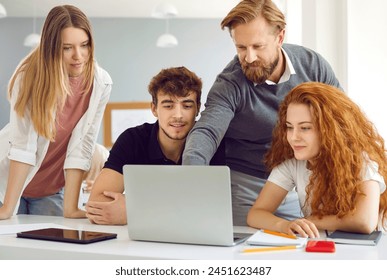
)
(164, 10)
(167, 41)
(3, 12)
(32, 40)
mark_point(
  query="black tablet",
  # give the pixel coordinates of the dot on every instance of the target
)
(67, 235)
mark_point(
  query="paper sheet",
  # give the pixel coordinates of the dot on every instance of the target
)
(13, 229)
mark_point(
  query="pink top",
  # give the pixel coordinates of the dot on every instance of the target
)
(50, 177)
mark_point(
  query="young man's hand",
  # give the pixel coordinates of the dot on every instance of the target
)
(107, 213)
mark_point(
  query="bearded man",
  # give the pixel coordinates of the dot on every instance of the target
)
(242, 105)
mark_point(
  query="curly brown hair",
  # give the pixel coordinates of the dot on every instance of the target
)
(347, 138)
(177, 81)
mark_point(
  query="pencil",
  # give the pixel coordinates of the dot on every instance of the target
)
(267, 249)
(279, 234)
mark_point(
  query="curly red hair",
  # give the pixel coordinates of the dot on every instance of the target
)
(346, 136)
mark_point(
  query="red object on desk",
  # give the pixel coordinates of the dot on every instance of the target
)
(322, 246)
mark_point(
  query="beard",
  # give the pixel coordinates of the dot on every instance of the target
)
(258, 72)
(177, 137)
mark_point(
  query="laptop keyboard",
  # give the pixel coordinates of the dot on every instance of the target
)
(239, 235)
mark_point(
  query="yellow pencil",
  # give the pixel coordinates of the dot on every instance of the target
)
(267, 249)
(279, 234)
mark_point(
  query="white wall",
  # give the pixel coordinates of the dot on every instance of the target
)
(324, 30)
(367, 58)
(352, 36)
(293, 15)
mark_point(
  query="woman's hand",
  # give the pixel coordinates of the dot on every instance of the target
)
(303, 227)
(4, 213)
(88, 186)
(71, 194)
(76, 214)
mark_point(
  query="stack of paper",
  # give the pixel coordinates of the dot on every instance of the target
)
(264, 238)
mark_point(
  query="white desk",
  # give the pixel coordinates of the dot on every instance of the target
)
(13, 248)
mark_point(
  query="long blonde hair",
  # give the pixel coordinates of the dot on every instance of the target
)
(346, 136)
(44, 84)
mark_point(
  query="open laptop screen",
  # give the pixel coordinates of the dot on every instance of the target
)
(179, 204)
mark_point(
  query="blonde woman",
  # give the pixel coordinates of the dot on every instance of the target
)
(58, 95)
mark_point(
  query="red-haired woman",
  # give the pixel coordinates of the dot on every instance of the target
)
(325, 148)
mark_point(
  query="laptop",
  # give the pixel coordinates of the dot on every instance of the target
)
(180, 204)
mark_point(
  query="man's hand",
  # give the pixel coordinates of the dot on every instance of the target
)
(107, 213)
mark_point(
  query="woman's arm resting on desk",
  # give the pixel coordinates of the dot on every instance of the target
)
(261, 214)
(364, 219)
(73, 181)
(17, 176)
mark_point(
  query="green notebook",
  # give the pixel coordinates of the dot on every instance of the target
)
(343, 237)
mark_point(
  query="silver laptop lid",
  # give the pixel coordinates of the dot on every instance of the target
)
(179, 204)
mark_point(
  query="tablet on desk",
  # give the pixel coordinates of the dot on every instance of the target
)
(67, 235)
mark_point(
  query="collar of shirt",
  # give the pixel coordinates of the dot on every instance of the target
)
(155, 153)
(289, 70)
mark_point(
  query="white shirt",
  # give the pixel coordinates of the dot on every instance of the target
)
(293, 173)
(20, 142)
(289, 70)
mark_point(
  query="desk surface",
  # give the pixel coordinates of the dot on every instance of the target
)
(12, 248)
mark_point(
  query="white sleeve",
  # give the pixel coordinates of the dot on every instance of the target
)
(370, 172)
(283, 175)
(23, 138)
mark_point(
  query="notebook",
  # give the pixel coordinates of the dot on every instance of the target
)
(343, 237)
(263, 238)
(180, 204)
